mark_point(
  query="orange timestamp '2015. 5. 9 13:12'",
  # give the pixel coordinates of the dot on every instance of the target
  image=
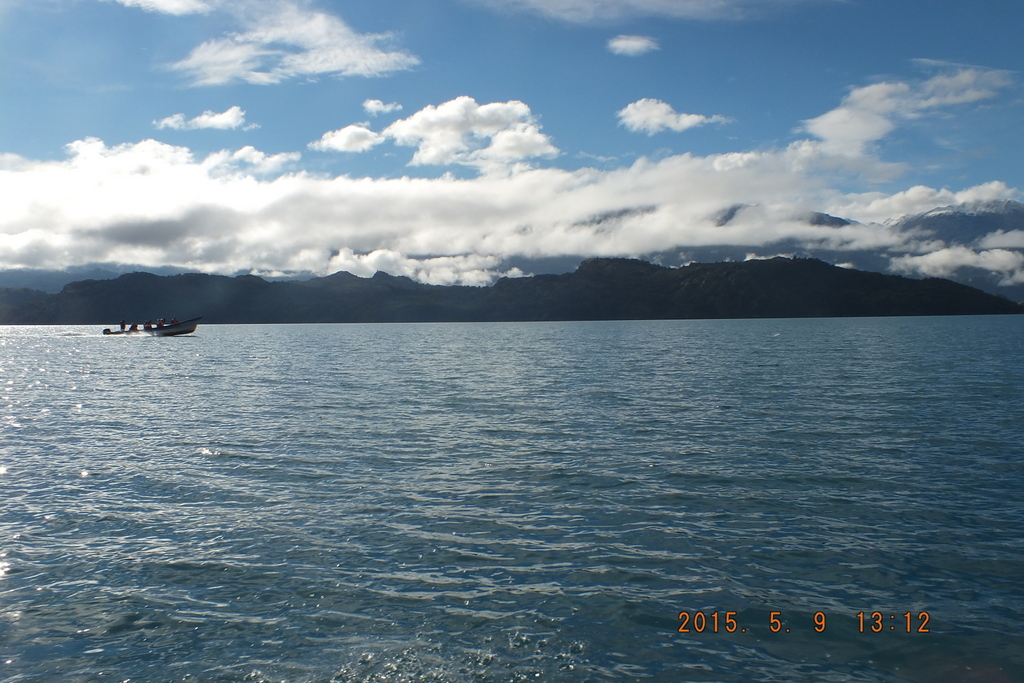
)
(866, 622)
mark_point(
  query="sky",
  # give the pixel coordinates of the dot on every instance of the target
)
(457, 141)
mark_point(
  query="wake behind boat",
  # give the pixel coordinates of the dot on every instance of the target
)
(159, 330)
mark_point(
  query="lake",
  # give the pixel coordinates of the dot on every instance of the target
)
(732, 500)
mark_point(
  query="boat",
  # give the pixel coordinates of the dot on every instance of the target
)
(173, 330)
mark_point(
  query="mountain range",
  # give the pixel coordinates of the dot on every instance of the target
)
(599, 289)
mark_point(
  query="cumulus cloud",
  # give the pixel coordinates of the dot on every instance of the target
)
(463, 132)
(348, 139)
(374, 107)
(603, 10)
(292, 42)
(489, 136)
(169, 6)
(249, 160)
(871, 112)
(632, 46)
(226, 120)
(654, 116)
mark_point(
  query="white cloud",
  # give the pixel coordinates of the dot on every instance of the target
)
(256, 162)
(654, 116)
(603, 10)
(463, 132)
(632, 46)
(348, 139)
(1003, 239)
(945, 262)
(292, 42)
(469, 269)
(374, 107)
(226, 120)
(489, 137)
(169, 6)
(879, 206)
(871, 112)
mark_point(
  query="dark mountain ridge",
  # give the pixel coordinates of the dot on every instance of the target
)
(599, 289)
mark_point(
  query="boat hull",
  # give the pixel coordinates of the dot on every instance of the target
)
(187, 327)
(177, 329)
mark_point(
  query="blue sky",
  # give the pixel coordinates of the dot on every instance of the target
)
(443, 139)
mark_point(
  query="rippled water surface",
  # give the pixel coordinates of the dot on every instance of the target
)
(513, 502)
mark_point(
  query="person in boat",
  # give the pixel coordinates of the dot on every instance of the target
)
(123, 326)
(174, 321)
(160, 322)
(134, 327)
(148, 325)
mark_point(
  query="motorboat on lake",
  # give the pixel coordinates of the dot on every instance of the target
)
(158, 330)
